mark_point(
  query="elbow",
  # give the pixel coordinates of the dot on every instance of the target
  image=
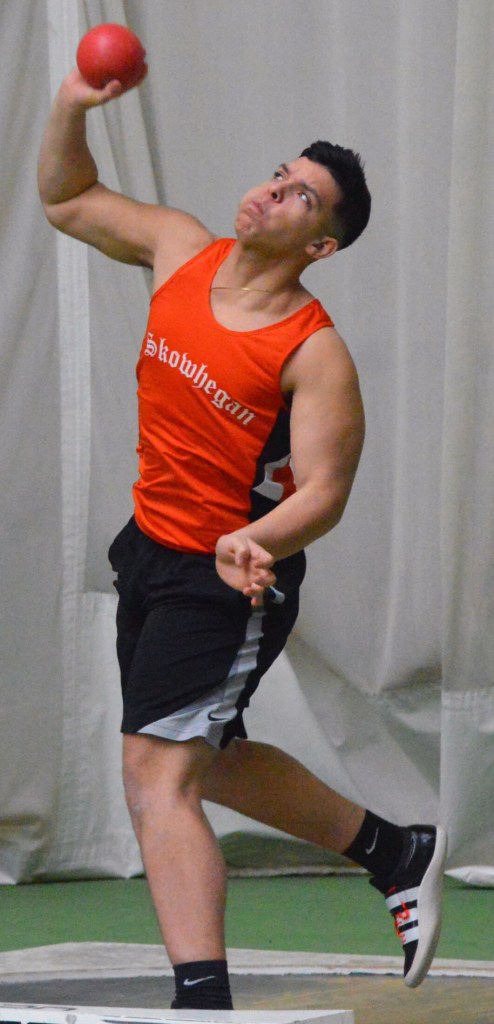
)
(331, 515)
(53, 208)
(62, 206)
(49, 210)
(63, 215)
(56, 216)
(326, 510)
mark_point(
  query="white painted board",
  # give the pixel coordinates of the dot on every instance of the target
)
(17, 1013)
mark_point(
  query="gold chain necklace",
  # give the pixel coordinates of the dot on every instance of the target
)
(239, 288)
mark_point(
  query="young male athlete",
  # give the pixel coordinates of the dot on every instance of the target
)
(250, 432)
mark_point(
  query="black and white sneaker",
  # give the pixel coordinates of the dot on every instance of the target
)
(413, 896)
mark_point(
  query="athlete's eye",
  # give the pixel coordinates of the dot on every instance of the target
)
(278, 175)
(305, 197)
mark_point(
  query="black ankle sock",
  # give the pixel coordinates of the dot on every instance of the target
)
(202, 985)
(377, 847)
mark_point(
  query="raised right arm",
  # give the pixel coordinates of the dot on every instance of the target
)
(76, 203)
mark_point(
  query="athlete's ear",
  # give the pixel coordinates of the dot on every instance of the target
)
(321, 248)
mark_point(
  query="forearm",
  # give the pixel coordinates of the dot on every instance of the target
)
(298, 521)
(66, 167)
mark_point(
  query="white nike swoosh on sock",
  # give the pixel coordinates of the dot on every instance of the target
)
(372, 847)
(196, 981)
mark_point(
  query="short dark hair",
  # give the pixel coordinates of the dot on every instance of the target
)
(351, 213)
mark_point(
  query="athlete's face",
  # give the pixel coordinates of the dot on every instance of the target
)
(292, 211)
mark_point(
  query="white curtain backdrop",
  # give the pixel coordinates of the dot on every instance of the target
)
(386, 685)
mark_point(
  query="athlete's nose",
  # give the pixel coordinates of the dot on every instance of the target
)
(276, 192)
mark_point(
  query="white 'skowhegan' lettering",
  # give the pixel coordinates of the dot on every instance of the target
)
(199, 377)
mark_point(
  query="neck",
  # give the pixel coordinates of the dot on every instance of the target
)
(246, 269)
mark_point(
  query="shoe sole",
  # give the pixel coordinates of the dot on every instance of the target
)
(429, 912)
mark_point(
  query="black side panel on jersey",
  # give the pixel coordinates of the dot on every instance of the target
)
(266, 492)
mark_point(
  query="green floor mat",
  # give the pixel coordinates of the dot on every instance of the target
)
(329, 914)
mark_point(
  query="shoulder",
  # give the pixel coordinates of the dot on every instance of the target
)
(323, 383)
(180, 237)
(322, 358)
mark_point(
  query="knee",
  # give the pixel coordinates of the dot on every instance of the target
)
(135, 777)
(160, 776)
(138, 770)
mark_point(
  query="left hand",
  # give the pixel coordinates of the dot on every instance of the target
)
(245, 566)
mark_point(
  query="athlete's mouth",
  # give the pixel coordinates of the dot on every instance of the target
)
(255, 207)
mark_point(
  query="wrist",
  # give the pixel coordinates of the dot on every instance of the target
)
(68, 100)
(223, 542)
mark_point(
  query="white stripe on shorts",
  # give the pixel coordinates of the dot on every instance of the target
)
(207, 716)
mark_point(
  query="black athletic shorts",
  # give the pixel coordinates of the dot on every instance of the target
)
(192, 649)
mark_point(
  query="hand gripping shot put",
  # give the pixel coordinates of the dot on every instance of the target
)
(250, 432)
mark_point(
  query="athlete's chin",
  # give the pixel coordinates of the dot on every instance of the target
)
(245, 228)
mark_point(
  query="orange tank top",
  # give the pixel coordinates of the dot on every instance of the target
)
(214, 438)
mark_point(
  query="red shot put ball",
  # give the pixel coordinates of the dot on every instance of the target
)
(110, 51)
